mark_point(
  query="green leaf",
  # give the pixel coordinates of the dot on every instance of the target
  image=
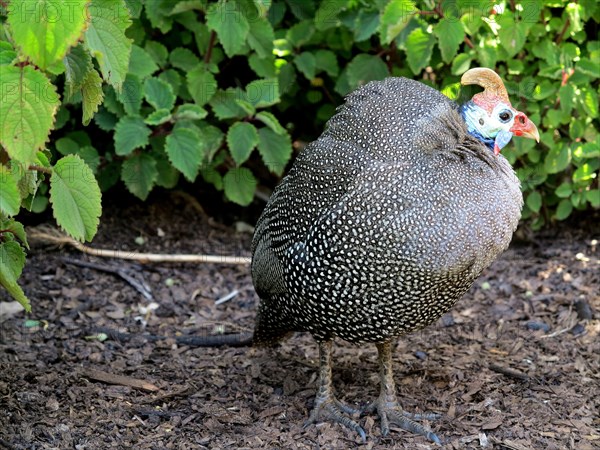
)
(185, 152)
(557, 159)
(141, 63)
(326, 60)
(261, 37)
(211, 140)
(131, 95)
(512, 34)
(262, 93)
(159, 94)
(300, 33)
(189, 111)
(27, 108)
(461, 64)
(44, 30)
(263, 67)
(564, 209)
(419, 46)
(364, 68)
(275, 149)
(242, 137)
(139, 174)
(564, 190)
(450, 34)
(230, 24)
(589, 67)
(225, 106)
(202, 85)
(589, 100)
(395, 18)
(7, 53)
(10, 199)
(130, 133)
(307, 64)
(92, 95)
(586, 171)
(239, 184)
(12, 260)
(366, 24)
(157, 52)
(158, 117)
(105, 38)
(184, 59)
(534, 201)
(158, 12)
(271, 121)
(78, 63)
(105, 120)
(16, 229)
(75, 197)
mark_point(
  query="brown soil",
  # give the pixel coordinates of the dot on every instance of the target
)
(514, 366)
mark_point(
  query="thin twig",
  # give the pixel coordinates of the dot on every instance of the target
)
(565, 27)
(145, 291)
(121, 380)
(509, 372)
(53, 236)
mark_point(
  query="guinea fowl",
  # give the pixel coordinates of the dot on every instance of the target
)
(384, 222)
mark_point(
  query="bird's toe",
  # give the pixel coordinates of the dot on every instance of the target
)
(335, 411)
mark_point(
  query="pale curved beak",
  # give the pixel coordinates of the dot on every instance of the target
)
(525, 128)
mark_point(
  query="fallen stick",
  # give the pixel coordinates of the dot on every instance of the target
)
(53, 236)
(509, 372)
(111, 378)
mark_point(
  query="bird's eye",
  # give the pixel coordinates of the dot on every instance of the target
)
(505, 116)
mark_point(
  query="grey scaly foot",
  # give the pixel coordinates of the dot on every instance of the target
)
(327, 407)
(387, 406)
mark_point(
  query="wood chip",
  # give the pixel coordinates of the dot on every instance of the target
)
(121, 380)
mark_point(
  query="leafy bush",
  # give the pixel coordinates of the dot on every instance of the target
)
(148, 92)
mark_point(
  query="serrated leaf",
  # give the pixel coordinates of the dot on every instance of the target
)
(7, 53)
(261, 37)
(242, 137)
(364, 68)
(105, 120)
(10, 200)
(450, 34)
(12, 260)
(26, 115)
(366, 24)
(75, 197)
(275, 149)
(139, 174)
(16, 228)
(141, 63)
(189, 111)
(307, 64)
(395, 18)
(202, 85)
(130, 95)
(158, 117)
(158, 52)
(158, 12)
(300, 33)
(105, 38)
(589, 100)
(262, 93)
(78, 63)
(211, 139)
(91, 94)
(239, 184)
(271, 121)
(185, 152)
(461, 64)
(46, 40)
(419, 46)
(159, 94)
(184, 59)
(230, 24)
(225, 106)
(130, 133)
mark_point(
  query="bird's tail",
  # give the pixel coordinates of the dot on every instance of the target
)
(272, 326)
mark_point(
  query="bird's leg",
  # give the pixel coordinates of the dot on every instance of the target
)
(387, 405)
(327, 407)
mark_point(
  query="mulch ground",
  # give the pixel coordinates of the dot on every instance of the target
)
(515, 365)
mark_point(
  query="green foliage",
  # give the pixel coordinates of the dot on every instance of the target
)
(155, 93)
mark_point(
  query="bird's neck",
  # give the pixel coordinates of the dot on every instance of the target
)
(467, 111)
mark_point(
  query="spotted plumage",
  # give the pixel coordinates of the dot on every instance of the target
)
(382, 223)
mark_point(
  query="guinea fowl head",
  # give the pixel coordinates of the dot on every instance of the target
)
(490, 116)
